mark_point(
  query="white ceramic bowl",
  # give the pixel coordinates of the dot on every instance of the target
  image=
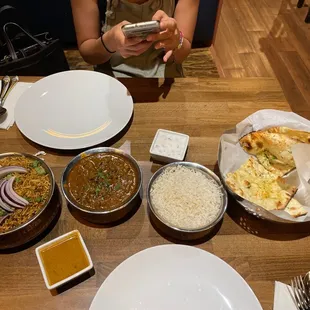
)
(169, 146)
(77, 274)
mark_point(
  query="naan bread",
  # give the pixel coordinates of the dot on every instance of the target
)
(301, 136)
(273, 165)
(258, 185)
(295, 209)
(273, 147)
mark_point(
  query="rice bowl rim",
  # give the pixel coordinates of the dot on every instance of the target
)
(194, 166)
(52, 188)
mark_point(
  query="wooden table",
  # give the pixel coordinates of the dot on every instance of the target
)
(260, 251)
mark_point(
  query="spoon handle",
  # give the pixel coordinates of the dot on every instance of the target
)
(6, 84)
(14, 81)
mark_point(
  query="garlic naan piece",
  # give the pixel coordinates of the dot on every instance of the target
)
(258, 185)
(273, 165)
(273, 147)
(295, 209)
(301, 136)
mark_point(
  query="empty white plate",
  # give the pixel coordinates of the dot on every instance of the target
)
(174, 277)
(73, 110)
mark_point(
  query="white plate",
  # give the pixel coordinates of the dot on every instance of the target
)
(170, 277)
(73, 110)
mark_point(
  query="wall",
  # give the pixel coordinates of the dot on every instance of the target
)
(55, 16)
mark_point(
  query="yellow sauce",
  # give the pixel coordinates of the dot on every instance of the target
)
(64, 258)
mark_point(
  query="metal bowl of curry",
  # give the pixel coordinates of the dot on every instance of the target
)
(102, 185)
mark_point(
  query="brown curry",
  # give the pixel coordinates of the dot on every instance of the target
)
(64, 258)
(103, 181)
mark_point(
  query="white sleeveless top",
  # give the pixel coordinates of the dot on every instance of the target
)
(150, 63)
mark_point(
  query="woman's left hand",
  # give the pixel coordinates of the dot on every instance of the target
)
(169, 37)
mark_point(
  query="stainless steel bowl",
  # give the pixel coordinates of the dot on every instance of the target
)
(184, 234)
(37, 224)
(102, 217)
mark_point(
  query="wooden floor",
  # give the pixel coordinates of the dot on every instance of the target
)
(266, 38)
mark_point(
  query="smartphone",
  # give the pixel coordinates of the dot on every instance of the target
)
(142, 29)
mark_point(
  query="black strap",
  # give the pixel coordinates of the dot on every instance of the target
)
(6, 7)
(109, 51)
(9, 42)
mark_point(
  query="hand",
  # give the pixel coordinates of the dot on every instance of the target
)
(169, 37)
(126, 46)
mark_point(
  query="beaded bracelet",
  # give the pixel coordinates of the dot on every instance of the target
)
(105, 45)
(181, 40)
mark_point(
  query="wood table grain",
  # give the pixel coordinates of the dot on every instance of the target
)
(260, 251)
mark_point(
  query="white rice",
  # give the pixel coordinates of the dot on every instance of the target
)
(186, 197)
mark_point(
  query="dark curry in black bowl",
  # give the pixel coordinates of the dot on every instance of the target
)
(103, 181)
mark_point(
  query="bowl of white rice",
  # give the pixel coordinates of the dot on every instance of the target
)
(186, 200)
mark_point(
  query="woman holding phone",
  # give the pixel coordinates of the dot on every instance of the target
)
(158, 55)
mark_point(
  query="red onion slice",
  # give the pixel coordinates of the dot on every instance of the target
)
(11, 169)
(5, 198)
(12, 195)
(2, 218)
(3, 205)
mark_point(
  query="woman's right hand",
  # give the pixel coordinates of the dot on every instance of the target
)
(127, 47)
